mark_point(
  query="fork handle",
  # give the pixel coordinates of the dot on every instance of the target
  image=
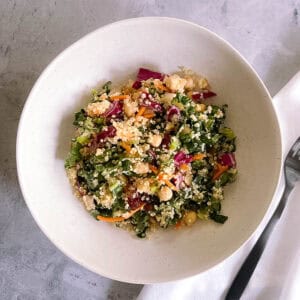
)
(243, 276)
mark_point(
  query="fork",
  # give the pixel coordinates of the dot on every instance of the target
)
(291, 175)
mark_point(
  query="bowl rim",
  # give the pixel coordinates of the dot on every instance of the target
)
(48, 69)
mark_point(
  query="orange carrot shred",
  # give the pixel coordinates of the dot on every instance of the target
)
(119, 97)
(126, 146)
(220, 169)
(199, 156)
(121, 218)
(110, 219)
(153, 169)
(141, 111)
(149, 116)
(184, 167)
(178, 225)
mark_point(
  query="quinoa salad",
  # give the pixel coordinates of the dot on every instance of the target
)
(153, 153)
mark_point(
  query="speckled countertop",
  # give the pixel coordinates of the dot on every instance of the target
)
(32, 33)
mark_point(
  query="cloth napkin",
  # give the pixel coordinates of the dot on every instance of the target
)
(277, 274)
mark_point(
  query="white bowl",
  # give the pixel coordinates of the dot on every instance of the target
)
(115, 52)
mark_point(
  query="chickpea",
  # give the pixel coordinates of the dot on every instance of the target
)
(190, 218)
(130, 107)
(165, 193)
(141, 168)
(155, 140)
(189, 83)
(175, 83)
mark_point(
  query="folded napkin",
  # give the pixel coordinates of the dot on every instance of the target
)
(277, 274)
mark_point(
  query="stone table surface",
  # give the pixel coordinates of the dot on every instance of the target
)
(32, 33)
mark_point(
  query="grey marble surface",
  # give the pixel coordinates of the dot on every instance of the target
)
(32, 33)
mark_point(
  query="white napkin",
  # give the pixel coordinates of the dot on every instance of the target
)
(277, 274)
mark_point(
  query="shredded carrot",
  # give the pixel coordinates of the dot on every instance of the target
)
(110, 219)
(171, 185)
(184, 167)
(141, 111)
(220, 169)
(162, 176)
(126, 146)
(153, 169)
(119, 97)
(149, 116)
(199, 156)
(160, 86)
(178, 225)
(132, 212)
(121, 218)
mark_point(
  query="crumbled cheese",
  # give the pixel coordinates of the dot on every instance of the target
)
(97, 108)
(175, 83)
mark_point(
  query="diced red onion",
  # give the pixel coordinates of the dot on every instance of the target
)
(228, 159)
(173, 111)
(203, 95)
(115, 109)
(182, 158)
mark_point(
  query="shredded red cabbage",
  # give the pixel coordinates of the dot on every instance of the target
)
(115, 110)
(109, 132)
(172, 112)
(182, 158)
(228, 159)
(166, 141)
(178, 180)
(135, 200)
(203, 95)
(152, 104)
(144, 74)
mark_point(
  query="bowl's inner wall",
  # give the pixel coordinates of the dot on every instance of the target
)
(115, 53)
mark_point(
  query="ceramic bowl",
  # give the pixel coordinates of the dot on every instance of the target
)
(115, 52)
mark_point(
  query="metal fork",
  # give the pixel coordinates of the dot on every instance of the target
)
(292, 175)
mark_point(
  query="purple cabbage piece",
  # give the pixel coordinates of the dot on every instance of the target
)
(172, 112)
(155, 106)
(109, 132)
(166, 141)
(178, 180)
(203, 95)
(115, 110)
(182, 158)
(228, 159)
(152, 154)
(144, 74)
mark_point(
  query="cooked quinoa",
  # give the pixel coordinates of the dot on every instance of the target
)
(153, 153)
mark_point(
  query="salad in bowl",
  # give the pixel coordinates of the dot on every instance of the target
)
(153, 153)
